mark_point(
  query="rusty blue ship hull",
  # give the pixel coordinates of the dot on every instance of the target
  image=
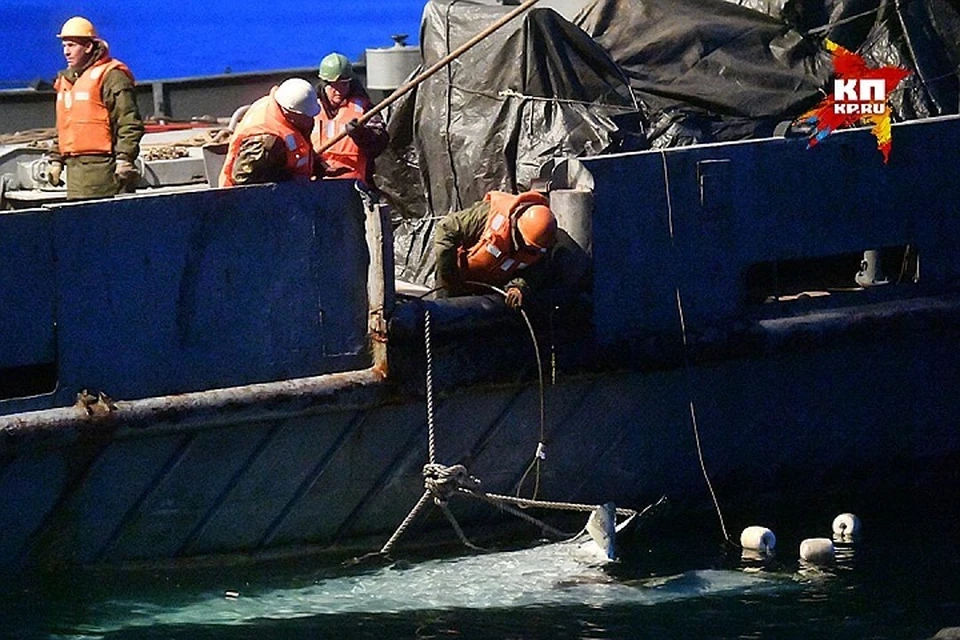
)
(264, 387)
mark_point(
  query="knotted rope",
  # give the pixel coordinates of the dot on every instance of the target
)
(441, 482)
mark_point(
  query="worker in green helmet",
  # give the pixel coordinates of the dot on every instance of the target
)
(343, 101)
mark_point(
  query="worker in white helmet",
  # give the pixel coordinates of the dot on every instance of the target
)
(271, 142)
(99, 127)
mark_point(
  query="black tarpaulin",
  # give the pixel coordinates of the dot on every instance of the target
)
(922, 36)
(537, 88)
(629, 74)
(708, 70)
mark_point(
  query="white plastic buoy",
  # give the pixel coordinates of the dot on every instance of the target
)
(758, 539)
(846, 527)
(817, 550)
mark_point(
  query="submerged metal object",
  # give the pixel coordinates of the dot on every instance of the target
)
(871, 273)
(602, 527)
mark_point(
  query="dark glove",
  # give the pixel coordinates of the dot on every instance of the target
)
(54, 171)
(320, 168)
(352, 126)
(514, 298)
(126, 173)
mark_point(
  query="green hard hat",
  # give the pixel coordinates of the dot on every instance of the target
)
(334, 67)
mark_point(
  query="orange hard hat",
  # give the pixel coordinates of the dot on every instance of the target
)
(77, 27)
(538, 226)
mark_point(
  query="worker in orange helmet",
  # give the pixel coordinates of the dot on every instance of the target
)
(501, 240)
(99, 127)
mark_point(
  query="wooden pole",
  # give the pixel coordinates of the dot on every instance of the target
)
(440, 64)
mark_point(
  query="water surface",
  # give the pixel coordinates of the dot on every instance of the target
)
(676, 581)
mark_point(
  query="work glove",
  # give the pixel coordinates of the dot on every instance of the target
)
(320, 168)
(54, 171)
(514, 298)
(352, 126)
(126, 173)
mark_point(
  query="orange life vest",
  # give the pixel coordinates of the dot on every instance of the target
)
(83, 120)
(495, 258)
(265, 116)
(346, 154)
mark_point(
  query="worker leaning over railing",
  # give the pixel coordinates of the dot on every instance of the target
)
(271, 142)
(502, 240)
(98, 124)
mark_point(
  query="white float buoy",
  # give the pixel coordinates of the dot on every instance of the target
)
(817, 550)
(758, 539)
(846, 526)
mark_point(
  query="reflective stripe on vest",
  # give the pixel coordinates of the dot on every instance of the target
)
(495, 259)
(264, 116)
(83, 120)
(346, 154)
(293, 141)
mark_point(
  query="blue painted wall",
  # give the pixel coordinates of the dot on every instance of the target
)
(164, 294)
(736, 205)
(26, 289)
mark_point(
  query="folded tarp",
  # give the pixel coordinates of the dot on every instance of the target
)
(922, 36)
(536, 89)
(708, 70)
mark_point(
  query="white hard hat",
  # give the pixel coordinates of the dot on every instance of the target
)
(297, 95)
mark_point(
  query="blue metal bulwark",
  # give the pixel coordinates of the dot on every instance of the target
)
(26, 290)
(157, 295)
(694, 219)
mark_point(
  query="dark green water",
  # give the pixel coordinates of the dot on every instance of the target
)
(678, 580)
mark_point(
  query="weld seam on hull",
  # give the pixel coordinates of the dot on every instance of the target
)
(152, 488)
(309, 481)
(234, 482)
(72, 486)
(418, 435)
(495, 425)
(558, 426)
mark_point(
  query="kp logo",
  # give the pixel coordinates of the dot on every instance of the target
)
(859, 95)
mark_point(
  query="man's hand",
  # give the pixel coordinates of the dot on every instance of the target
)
(352, 126)
(126, 173)
(320, 168)
(54, 171)
(514, 298)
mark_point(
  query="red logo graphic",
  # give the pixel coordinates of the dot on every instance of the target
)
(859, 96)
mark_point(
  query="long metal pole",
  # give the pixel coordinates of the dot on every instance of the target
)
(440, 64)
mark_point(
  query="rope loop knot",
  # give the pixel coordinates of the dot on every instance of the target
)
(443, 481)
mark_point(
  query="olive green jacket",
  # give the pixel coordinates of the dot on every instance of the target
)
(263, 158)
(91, 176)
(463, 229)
